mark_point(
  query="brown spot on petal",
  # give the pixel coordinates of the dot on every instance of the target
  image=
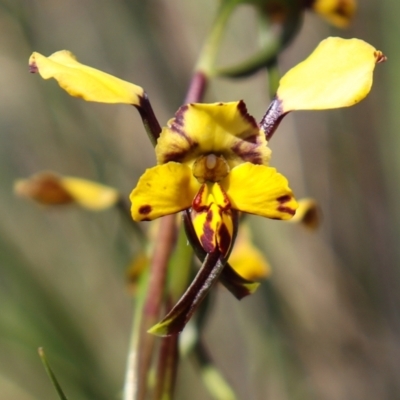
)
(144, 210)
(284, 199)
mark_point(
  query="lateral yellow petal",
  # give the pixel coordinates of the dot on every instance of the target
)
(337, 12)
(162, 190)
(337, 74)
(257, 189)
(88, 194)
(84, 82)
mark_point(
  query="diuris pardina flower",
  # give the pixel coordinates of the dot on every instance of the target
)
(213, 158)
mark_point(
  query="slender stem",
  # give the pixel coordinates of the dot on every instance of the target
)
(131, 384)
(154, 298)
(217, 386)
(208, 55)
(197, 88)
(167, 366)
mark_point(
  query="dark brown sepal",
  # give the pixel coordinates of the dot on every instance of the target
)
(150, 122)
(237, 285)
(176, 319)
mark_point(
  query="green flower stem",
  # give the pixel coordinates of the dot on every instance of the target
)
(273, 78)
(51, 375)
(167, 368)
(217, 386)
(208, 55)
(147, 312)
(179, 270)
(131, 385)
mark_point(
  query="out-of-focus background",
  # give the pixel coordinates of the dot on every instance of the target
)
(325, 326)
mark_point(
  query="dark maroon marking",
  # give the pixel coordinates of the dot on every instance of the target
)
(179, 155)
(145, 210)
(284, 199)
(196, 204)
(228, 206)
(33, 69)
(287, 210)
(208, 235)
(225, 239)
(272, 118)
(252, 155)
(246, 116)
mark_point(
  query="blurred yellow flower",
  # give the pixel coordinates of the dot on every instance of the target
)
(50, 189)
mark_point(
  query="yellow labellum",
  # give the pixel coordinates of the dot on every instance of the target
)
(85, 82)
(337, 74)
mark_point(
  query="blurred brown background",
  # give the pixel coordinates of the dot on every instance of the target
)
(326, 325)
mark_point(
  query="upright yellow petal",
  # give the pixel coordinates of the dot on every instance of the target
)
(85, 82)
(337, 74)
(337, 12)
(225, 129)
(162, 190)
(260, 190)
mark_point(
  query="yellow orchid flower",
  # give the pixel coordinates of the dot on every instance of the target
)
(213, 158)
(48, 188)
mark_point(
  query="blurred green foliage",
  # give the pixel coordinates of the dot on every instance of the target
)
(326, 325)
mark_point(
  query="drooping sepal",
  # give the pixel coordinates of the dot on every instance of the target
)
(236, 284)
(176, 319)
